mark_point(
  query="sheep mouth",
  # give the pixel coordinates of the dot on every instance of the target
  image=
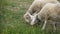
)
(35, 20)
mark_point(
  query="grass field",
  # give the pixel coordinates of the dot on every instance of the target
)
(12, 21)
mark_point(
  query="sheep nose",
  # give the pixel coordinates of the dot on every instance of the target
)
(26, 17)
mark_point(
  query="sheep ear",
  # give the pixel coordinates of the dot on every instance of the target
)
(30, 15)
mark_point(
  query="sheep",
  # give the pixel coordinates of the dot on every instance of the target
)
(36, 7)
(50, 12)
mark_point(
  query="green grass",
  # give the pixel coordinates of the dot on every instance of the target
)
(12, 21)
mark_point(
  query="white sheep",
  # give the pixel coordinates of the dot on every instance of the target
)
(50, 12)
(36, 7)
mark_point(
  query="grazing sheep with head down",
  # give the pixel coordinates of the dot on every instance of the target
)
(49, 12)
(36, 7)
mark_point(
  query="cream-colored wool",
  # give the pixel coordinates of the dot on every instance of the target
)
(36, 7)
(50, 12)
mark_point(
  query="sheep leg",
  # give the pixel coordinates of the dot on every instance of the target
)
(54, 26)
(44, 25)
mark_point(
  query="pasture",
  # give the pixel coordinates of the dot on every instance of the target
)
(12, 21)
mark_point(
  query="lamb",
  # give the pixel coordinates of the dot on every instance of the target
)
(36, 7)
(49, 12)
